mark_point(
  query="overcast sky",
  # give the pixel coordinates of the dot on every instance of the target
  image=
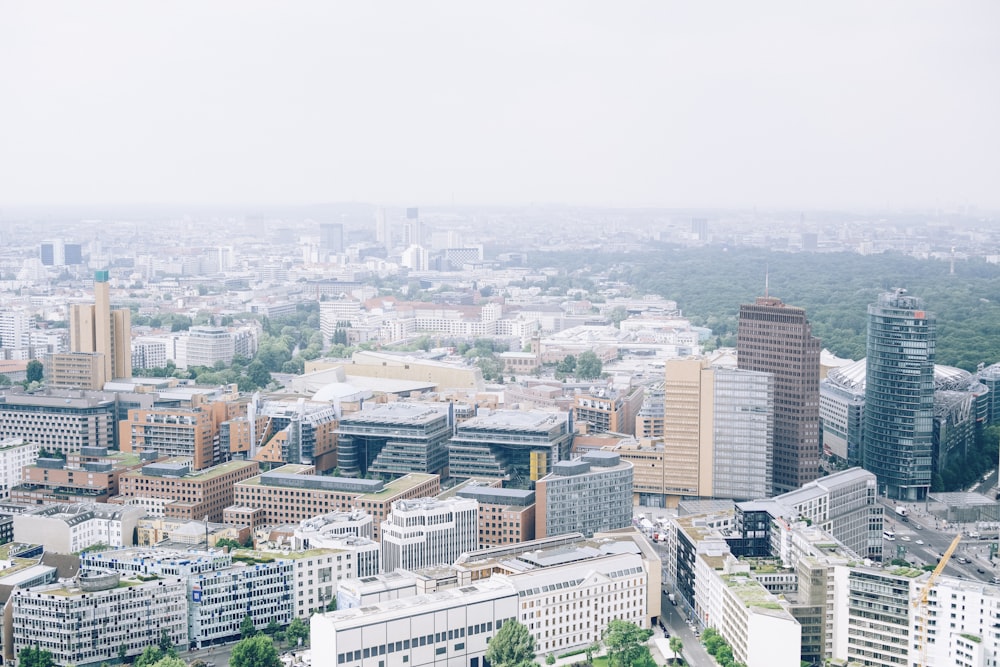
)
(731, 104)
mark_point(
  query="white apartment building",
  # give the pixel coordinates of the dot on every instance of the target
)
(149, 353)
(335, 311)
(963, 616)
(426, 531)
(204, 346)
(14, 327)
(86, 622)
(15, 453)
(72, 528)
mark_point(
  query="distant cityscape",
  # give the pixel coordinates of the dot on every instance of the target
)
(408, 427)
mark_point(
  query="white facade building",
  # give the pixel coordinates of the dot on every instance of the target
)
(15, 453)
(85, 623)
(72, 528)
(426, 531)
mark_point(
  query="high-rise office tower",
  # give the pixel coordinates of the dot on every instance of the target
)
(776, 338)
(899, 396)
(413, 233)
(98, 329)
(718, 428)
(383, 235)
(331, 237)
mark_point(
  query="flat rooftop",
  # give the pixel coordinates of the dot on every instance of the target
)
(413, 414)
(514, 420)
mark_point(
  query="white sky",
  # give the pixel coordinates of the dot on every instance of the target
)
(800, 104)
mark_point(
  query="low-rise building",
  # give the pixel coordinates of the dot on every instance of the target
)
(590, 494)
(72, 528)
(15, 454)
(294, 493)
(89, 475)
(506, 516)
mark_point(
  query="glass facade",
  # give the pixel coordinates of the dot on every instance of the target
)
(899, 396)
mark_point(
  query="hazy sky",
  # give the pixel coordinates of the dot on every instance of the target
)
(799, 104)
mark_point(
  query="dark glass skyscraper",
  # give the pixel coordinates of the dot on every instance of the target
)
(899, 396)
(775, 338)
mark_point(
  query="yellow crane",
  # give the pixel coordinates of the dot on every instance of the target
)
(921, 604)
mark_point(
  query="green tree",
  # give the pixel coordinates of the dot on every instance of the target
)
(588, 366)
(550, 659)
(34, 657)
(258, 374)
(272, 628)
(256, 651)
(35, 371)
(122, 653)
(150, 656)
(170, 661)
(676, 646)
(567, 365)
(332, 605)
(166, 644)
(5, 381)
(625, 641)
(512, 646)
(297, 629)
(247, 628)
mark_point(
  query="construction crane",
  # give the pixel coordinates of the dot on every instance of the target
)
(920, 605)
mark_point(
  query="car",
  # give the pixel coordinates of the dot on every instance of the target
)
(963, 560)
(920, 541)
(905, 538)
(917, 526)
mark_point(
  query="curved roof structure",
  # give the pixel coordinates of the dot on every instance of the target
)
(946, 378)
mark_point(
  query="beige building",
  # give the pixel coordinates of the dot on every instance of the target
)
(293, 493)
(108, 333)
(717, 436)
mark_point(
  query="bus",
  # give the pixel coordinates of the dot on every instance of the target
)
(888, 535)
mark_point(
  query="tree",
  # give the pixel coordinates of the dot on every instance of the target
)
(258, 374)
(166, 644)
(150, 656)
(512, 646)
(35, 371)
(122, 653)
(272, 628)
(170, 661)
(625, 641)
(247, 628)
(297, 629)
(676, 646)
(227, 543)
(332, 606)
(550, 659)
(5, 381)
(256, 651)
(588, 366)
(34, 657)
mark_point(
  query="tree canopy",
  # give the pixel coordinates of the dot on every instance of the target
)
(512, 646)
(34, 657)
(626, 643)
(255, 651)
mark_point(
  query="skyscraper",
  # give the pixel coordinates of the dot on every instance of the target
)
(331, 237)
(775, 338)
(899, 396)
(107, 332)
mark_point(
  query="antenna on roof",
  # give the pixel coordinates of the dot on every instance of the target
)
(766, 279)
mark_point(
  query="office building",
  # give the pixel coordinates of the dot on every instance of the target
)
(90, 475)
(74, 370)
(394, 439)
(15, 456)
(519, 446)
(649, 420)
(608, 410)
(171, 489)
(14, 328)
(506, 516)
(285, 431)
(98, 329)
(87, 621)
(841, 411)
(294, 493)
(207, 346)
(331, 237)
(718, 426)
(221, 590)
(187, 432)
(776, 338)
(899, 396)
(425, 532)
(63, 423)
(586, 495)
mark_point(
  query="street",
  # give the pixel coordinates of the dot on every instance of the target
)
(693, 652)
